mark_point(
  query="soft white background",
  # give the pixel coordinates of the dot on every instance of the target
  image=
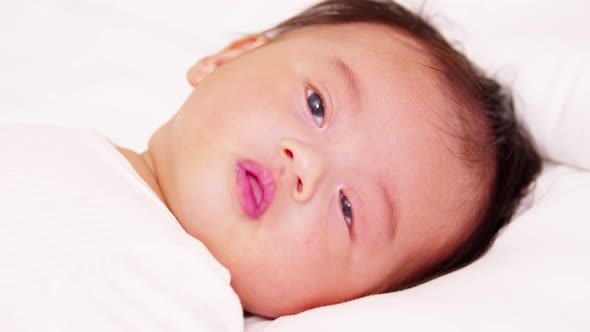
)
(119, 67)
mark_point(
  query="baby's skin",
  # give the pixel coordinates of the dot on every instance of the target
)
(317, 167)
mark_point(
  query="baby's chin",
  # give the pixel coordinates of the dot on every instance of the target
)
(276, 307)
(273, 301)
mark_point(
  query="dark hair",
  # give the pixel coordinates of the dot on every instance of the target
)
(492, 134)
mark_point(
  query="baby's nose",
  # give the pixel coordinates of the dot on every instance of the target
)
(306, 163)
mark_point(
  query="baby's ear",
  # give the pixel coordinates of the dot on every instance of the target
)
(206, 65)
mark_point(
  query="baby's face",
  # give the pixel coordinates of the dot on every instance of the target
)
(362, 190)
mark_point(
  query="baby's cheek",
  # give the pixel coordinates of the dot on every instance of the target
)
(321, 249)
(297, 263)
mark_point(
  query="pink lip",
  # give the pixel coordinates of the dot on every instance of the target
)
(248, 171)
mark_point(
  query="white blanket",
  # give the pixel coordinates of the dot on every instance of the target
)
(86, 245)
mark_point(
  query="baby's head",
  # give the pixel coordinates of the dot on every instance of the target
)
(349, 151)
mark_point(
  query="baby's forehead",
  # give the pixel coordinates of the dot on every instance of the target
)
(376, 52)
(395, 75)
(399, 71)
(360, 37)
(394, 71)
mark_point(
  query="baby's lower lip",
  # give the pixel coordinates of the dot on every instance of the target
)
(246, 195)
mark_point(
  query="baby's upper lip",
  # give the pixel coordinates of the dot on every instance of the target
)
(263, 176)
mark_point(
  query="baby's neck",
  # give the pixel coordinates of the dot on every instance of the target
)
(144, 167)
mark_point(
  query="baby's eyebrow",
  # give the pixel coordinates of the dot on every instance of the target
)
(350, 78)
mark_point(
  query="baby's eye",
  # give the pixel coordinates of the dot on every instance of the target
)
(316, 106)
(346, 209)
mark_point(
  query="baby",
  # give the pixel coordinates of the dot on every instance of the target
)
(348, 151)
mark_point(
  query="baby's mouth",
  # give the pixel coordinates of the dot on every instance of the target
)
(256, 187)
